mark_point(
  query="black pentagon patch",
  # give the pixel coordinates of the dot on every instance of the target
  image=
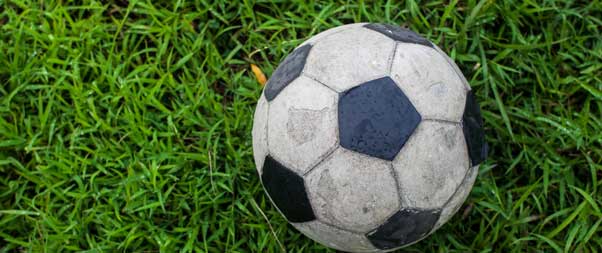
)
(472, 126)
(399, 34)
(404, 227)
(286, 72)
(376, 118)
(287, 190)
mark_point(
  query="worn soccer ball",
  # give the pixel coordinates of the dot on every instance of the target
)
(367, 138)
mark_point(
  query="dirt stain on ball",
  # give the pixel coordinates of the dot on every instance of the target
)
(449, 138)
(303, 124)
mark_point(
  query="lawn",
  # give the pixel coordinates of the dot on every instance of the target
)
(125, 125)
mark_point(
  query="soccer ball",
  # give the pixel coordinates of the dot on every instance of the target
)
(367, 138)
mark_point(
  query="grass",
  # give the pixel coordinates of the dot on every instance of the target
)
(125, 125)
